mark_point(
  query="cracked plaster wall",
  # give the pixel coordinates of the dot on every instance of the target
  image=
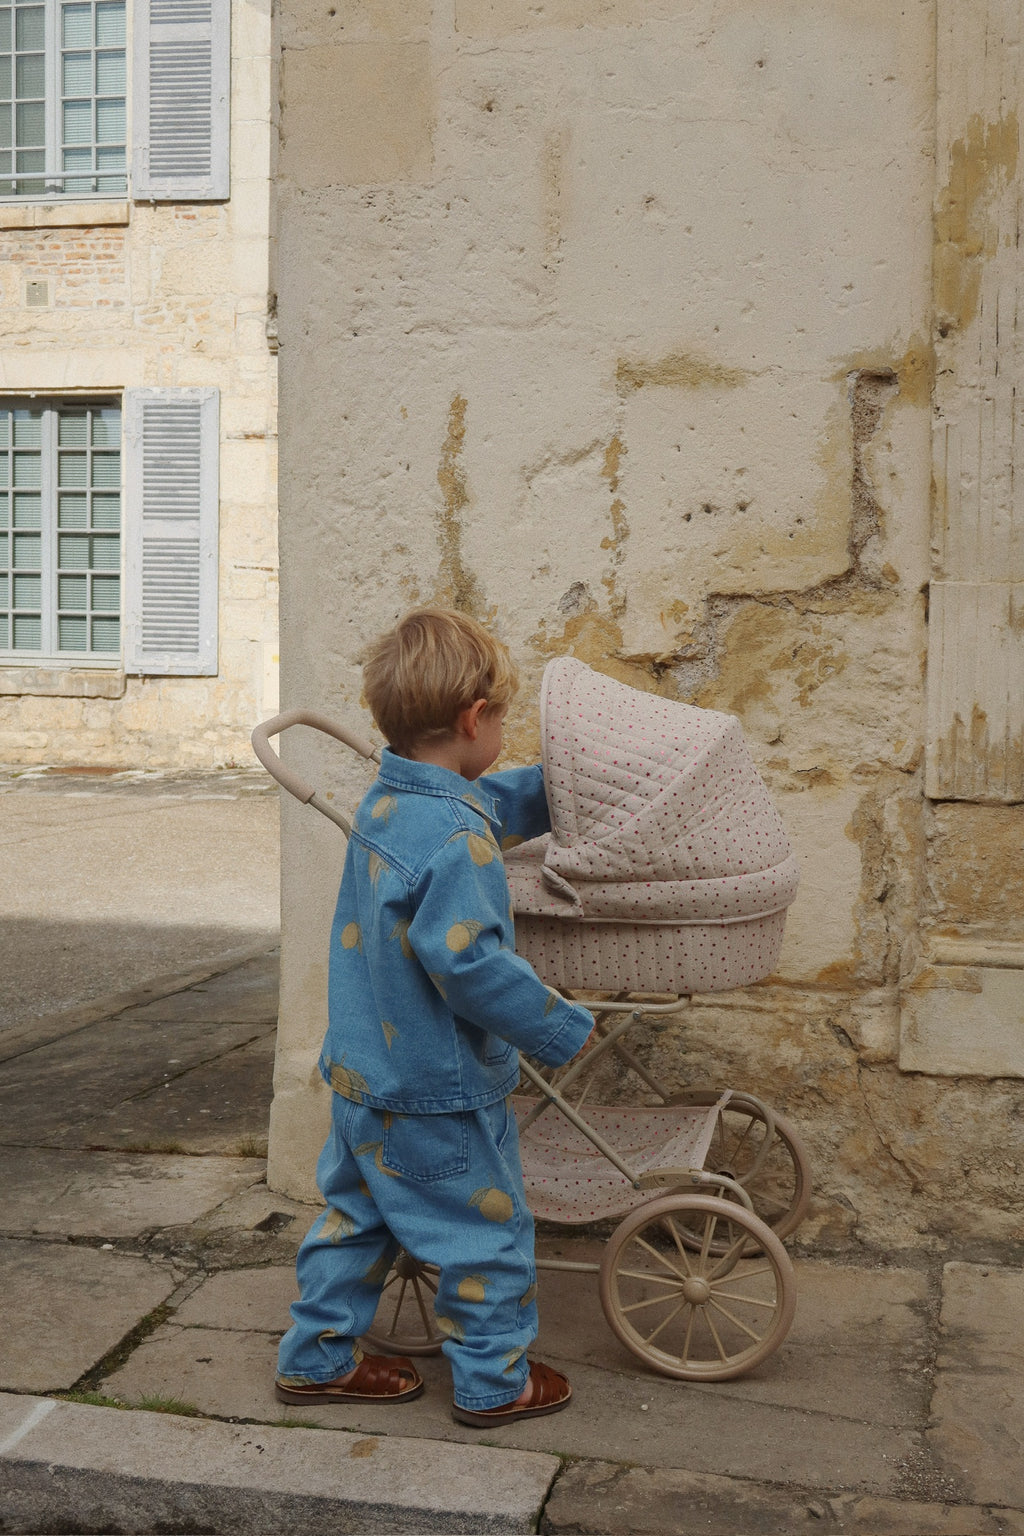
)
(619, 337)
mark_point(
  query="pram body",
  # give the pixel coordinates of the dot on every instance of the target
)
(667, 871)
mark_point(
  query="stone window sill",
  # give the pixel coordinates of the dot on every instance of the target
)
(62, 215)
(62, 683)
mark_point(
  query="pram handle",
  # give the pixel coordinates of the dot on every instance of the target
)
(293, 782)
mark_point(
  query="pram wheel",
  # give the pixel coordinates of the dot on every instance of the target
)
(772, 1168)
(704, 1314)
(405, 1323)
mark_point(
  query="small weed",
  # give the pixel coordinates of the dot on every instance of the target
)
(91, 1399)
(158, 1404)
(251, 1146)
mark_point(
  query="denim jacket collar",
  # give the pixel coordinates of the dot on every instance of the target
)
(431, 779)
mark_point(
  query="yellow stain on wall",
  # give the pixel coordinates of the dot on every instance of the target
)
(981, 163)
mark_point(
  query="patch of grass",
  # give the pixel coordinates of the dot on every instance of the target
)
(157, 1404)
(116, 1357)
(251, 1146)
(92, 1399)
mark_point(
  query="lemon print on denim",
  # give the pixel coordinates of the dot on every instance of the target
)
(511, 841)
(385, 808)
(376, 1150)
(376, 867)
(512, 1358)
(473, 1288)
(390, 1032)
(438, 983)
(351, 1085)
(352, 936)
(493, 1204)
(530, 1294)
(453, 1329)
(401, 932)
(337, 1224)
(461, 935)
(552, 1002)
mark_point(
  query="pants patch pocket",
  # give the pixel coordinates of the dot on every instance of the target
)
(426, 1147)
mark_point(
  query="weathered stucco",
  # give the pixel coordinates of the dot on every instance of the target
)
(626, 344)
(171, 296)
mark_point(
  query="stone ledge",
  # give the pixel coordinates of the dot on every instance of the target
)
(63, 215)
(62, 682)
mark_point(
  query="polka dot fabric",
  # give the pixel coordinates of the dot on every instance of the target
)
(667, 865)
(568, 1180)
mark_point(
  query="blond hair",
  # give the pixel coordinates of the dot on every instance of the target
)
(436, 662)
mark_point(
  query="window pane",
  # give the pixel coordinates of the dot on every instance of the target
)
(106, 553)
(71, 634)
(106, 512)
(73, 469)
(73, 553)
(73, 429)
(28, 591)
(29, 28)
(3, 632)
(5, 28)
(106, 634)
(28, 633)
(27, 469)
(110, 25)
(106, 427)
(3, 549)
(77, 74)
(28, 429)
(106, 470)
(4, 468)
(5, 429)
(73, 511)
(30, 76)
(5, 77)
(111, 122)
(27, 510)
(110, 74)
(3, 509)
(72, 592)
(28, 552)
(29, 127)
(106, 594)
(3, 589)
(76, 30)
(77, 122)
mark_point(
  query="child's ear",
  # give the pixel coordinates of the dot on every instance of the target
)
(467, 721)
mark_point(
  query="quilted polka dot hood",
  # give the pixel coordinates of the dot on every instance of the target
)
(658, 813)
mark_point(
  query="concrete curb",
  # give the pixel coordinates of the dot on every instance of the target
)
(68, 1466)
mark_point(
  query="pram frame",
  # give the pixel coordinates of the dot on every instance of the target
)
(683, 1190)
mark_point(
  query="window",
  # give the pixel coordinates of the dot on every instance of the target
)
(108, 532)
(60, 532)
(64, 99)
(63, 106)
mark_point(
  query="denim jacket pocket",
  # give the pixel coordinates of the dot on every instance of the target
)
(497, 1051)
(426, 1147)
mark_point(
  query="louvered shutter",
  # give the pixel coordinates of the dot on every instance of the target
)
(181, 101)
(171, 442)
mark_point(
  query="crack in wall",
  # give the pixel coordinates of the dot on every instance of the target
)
(456, 586)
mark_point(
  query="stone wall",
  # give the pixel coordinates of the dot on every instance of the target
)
(612, 322)
(171, 296)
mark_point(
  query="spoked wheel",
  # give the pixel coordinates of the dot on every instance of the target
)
(699, 1315)
(771, 1167)
(405, 1323)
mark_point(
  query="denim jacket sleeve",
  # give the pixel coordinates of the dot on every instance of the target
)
(521, 803)
(462, 935)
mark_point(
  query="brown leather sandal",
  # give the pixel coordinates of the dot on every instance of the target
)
(376, 1379)
(551, 1393)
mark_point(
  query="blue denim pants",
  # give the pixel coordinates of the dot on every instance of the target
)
(447, 1188)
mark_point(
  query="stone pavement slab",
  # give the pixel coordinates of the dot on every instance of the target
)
(111, 1194)
(850, 1354)
(606, 1499)
(98, 1296)
(978, 1408)
(101, 1469)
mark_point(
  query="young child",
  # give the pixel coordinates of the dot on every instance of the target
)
(428, 1007)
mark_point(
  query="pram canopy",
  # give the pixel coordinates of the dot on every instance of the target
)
(660, 820)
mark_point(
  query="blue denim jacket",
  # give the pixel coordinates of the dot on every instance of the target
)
(427, 1000)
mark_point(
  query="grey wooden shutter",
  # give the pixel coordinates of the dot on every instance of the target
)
(171, 445)
(181, 100)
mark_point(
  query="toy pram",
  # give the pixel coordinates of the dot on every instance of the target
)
(667, 871)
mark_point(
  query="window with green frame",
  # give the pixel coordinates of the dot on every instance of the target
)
(63, 102)
(60, 531)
